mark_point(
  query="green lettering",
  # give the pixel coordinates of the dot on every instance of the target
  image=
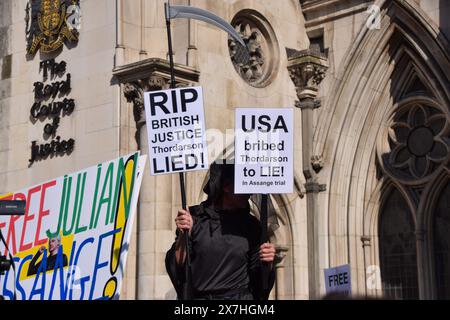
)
(94, 203)
(79, 229)
(121, 181)
(61, 210)
(107, 185)
(66, 210)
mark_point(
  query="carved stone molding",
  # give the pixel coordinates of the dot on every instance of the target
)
(308, 103)
(315, 187)
(150, 75)
(317, 163)
(255, 63)
(155, 66)
(134, 93)
(365, 241)
(414, 146)
(318, 12)
(307, 69)
(280, 254)
(420, 235)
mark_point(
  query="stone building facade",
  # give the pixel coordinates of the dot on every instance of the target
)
(370, 82)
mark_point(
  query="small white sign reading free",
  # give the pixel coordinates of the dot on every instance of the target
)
(176, 130)
(338, 280)
(264, 150)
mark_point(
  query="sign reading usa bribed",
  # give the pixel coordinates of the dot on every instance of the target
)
(73, 240)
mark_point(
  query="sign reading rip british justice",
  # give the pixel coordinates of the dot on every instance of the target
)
(264, 150)
(176, 130)
(73, 240)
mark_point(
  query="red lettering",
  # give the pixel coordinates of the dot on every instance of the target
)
(42, 213)
(28, 217)
(2, 225)
(20, 196)
(11, 237)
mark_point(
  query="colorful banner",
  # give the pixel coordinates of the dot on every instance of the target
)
(73, 240)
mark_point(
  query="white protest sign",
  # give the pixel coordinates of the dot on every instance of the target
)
(264, 150)
(176, 130)
(338, 280)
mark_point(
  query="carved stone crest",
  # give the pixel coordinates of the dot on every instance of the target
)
(50, 24)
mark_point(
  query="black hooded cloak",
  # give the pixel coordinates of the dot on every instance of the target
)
(224, 247)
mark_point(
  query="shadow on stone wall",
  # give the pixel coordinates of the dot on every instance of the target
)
(5, 86)
(444, 18)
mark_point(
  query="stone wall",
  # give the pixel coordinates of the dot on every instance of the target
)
(95, 122)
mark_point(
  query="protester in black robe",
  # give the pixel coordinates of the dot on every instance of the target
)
(226, 257)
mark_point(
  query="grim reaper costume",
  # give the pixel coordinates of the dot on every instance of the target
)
(224, 249)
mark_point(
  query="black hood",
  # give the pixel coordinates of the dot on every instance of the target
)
(219, 172)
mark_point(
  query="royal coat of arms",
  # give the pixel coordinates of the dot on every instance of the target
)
(50, 24)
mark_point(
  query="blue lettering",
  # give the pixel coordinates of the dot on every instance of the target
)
(99, 265)
(59, 264)
(6, 292)
(69, 274)
(84, 279)
(19, 271)
(42, 269)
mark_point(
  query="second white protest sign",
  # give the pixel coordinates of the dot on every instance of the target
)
(176, 130)
(264, 150)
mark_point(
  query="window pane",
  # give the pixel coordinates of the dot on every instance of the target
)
(398, 249)
(442, 244)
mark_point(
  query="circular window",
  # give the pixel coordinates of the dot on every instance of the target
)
(417, 140)
(256, 64)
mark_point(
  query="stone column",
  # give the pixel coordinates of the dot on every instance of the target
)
(307, 70)
(369, 291)
(120, 47)
(192, 52)
(155, 230)
(424, 278)
(154, 215)
(280, 271)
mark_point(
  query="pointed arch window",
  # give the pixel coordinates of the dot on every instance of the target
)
(398, 259)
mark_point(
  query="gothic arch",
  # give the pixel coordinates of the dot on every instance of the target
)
(427, 209)
(352, 121)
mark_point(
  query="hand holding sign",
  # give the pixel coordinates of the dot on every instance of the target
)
(176, 138)
(267, 252)
(264, 162)
(184, 221)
